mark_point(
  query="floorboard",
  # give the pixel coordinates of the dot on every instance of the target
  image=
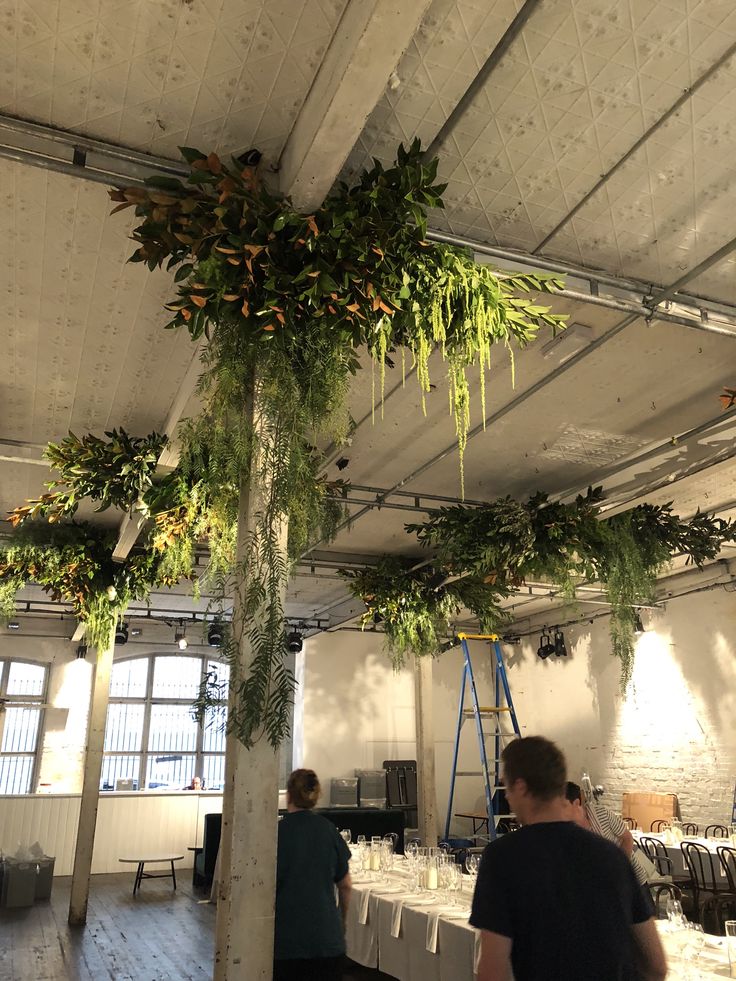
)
(158, 935)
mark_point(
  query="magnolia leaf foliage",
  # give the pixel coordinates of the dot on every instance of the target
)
(482, 554)
(287, 301)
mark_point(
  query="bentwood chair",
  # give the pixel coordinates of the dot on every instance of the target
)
(657, 855)
(708, 895)
(657, 826)
(717, 831)
(690, 829)
(727, 857)
(663, 890)
(630, 823)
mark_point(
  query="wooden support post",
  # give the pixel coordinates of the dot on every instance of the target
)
(246, 891)
(426, 787)
(91, 784)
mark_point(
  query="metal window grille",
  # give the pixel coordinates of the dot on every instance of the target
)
(22, 698)
(151, 739)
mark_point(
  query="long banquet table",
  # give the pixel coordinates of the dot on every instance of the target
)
(417, 937)
(676, 856)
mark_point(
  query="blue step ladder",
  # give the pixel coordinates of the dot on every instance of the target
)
(503, 707)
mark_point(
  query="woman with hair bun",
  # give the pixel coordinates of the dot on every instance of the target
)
(312, 860)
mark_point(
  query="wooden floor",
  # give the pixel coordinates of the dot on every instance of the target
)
(159, 935)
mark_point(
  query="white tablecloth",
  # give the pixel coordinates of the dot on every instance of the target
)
(407, 958)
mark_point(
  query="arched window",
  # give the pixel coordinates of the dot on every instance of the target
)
(22, 699)
(151, 739)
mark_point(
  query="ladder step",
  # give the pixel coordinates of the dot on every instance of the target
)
(469, 773)
(483, 710)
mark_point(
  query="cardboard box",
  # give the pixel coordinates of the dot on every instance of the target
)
(645, 808)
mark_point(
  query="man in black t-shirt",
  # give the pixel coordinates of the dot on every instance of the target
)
(554, 901)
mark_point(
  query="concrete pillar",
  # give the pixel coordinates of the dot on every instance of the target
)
(426, 787)
(247, 886)
(91, 784)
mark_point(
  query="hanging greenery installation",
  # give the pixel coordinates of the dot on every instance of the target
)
(287, 301)
(489, 551)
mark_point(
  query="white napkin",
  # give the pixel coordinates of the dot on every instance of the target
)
(433, 926)
(396, 917)
(365, 896)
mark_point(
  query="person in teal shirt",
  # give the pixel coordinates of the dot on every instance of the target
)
(312, 860)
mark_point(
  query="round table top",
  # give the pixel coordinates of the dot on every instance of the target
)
(154, 857)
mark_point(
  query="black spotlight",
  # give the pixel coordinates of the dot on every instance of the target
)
(638, 625)
(81, 652)
(560, 647)
(121, 633)
(294, 642)
(546, 647)
(215, 634)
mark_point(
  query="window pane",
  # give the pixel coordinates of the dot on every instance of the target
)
(124, 728)
(170, 770)
(214, 772)
(219, 674)
(213, 740)
(116, 768)
(26, 679)
(172, 729)
(129, 677)
(15, 774)
(21, 730)
(177, 677)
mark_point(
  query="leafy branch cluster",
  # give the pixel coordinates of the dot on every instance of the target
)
(116, 472)
(72, 562)
(492, 549)
(286, 301)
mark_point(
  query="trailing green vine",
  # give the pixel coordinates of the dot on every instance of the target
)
(490, 550)
(286, 301)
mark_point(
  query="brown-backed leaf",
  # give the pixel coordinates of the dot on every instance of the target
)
(199, 301)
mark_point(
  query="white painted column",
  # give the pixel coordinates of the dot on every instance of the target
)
(246, 892)
(91, 784)
(426, 786)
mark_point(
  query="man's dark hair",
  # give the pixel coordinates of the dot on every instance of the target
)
(539, 763)
(573, 792)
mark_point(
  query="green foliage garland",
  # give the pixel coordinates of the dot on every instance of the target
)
(415, 607)
(72, 561)
(286, 300)
(493, 548)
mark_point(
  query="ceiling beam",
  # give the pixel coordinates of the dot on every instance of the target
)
(132, 524)
(365, 49)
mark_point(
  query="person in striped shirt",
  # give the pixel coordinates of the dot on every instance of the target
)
(597, 818)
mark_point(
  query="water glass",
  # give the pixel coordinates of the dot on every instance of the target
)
(346, 835)
(730, 926)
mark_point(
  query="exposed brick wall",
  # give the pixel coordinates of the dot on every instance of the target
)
(674, 731)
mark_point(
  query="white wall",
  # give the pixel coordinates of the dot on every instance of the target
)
(675, 729)
(673, 732)
(355, 711)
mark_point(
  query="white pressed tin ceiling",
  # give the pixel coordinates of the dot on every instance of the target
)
(83, 339)
(579, 86)
(157, 74)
